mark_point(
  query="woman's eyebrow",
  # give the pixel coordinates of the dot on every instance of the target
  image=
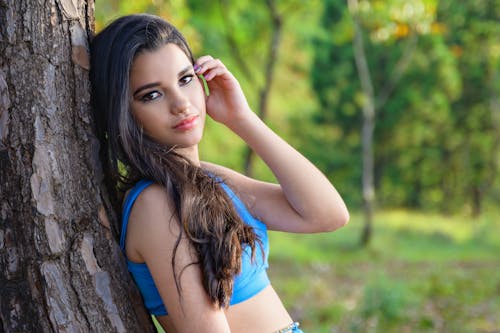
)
(146, 86)
(185, 70)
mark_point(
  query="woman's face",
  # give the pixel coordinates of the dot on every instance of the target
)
(167, 97)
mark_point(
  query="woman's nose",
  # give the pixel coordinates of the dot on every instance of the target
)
(180, 103)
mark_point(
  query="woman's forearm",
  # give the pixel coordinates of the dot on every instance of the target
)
(306, 189)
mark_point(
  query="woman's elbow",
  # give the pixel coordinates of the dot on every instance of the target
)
(334, 220)
(342, 219)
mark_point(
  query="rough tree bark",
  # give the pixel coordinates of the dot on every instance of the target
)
(60, 267)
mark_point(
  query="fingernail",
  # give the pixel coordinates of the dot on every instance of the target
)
(196, 68)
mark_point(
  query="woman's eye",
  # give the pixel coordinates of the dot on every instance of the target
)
(186, 79)
(150, 96)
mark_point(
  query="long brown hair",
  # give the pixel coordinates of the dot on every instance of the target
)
(205, 211)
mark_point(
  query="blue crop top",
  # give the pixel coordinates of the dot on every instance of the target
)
(252, 279)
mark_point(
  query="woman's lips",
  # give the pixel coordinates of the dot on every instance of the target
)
(187, 123)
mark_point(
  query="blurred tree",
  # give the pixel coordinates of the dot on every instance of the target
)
(368, 122)
(359, 64)
(436, 141)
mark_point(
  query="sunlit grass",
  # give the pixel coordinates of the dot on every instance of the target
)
(460, 228)
(422, 272)
(397, 234)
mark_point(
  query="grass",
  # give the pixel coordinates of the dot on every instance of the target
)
(421, 273)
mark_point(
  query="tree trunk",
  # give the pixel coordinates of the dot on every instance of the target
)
(477, 199)
(367, 128)
(61, 269)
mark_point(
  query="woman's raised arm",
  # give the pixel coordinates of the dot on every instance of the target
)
(304, 200)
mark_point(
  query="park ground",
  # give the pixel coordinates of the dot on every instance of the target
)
(422, 272)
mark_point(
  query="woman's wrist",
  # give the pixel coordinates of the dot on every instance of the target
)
(244, 121)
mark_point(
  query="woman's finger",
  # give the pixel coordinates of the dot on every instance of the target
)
(202, 59)
(207, 63)
(213, 72)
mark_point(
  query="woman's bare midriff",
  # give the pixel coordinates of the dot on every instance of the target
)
(260, 314)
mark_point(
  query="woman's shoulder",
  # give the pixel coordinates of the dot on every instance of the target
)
(150, 221)
(151, 200)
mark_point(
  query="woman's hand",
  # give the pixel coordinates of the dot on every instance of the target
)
(226, 104)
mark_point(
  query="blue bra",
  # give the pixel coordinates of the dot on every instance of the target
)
(252, 279)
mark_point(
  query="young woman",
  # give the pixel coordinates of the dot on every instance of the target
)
(195, 233)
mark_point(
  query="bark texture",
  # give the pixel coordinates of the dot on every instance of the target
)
(61, 269)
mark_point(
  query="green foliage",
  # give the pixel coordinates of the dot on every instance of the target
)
(436, 145)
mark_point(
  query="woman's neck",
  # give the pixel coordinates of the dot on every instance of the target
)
(191, 153)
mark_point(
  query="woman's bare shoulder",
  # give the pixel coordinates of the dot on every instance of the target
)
(152, 222)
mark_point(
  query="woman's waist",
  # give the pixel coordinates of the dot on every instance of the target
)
(264, 312)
